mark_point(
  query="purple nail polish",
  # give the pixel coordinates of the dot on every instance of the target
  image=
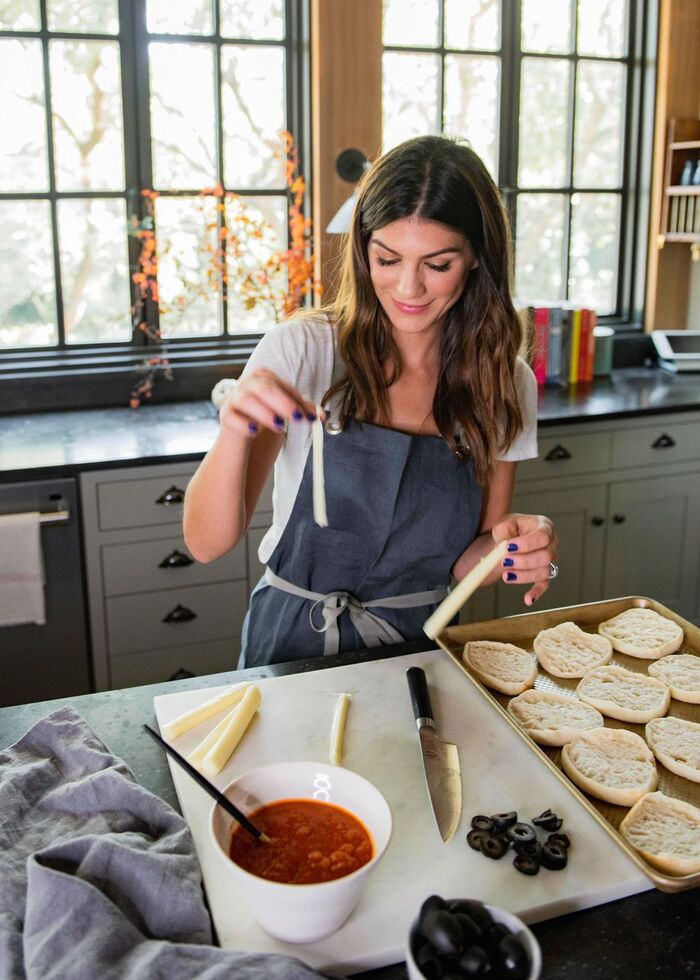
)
(279, 422)
(297, 415)
(508, 562)
(311, 416)
(512, 546)
(511, 577)
(252, 427)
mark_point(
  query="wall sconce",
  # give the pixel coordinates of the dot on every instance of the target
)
(350, 165)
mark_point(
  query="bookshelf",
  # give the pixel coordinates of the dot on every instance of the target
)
(680, 213)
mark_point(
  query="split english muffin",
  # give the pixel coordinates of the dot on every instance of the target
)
(666, 832)
(502, 666)
(623, 694)
(681, 671)
(611, 764)
(553, 719)
(567, 651)
(676, 744)
(643, 633)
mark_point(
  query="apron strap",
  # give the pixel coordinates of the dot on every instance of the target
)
(372, 628)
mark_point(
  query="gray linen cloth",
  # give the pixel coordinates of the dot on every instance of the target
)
(99, 877)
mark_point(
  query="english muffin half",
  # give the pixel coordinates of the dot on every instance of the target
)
(552, 719)
(676, 744)
(666, 832)
(681, 671)
(624, 694)
(502, 666)
(611, 764)
(641, 632)
(567, 651)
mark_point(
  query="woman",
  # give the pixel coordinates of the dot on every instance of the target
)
(427, 409)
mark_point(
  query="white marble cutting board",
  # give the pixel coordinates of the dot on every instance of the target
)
(499, 772)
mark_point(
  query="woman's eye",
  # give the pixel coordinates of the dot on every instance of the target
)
(381, 261)
(438, 268)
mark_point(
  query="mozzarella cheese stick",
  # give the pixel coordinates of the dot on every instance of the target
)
(319, 483)
(197, 754)
(193, 717)
(218, 755)
(450, 606)
(338, 728)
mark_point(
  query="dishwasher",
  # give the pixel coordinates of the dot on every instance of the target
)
(52, 660)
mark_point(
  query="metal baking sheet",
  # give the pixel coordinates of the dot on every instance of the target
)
(521, 630)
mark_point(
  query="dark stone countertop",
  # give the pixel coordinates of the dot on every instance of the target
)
(647, 935)
(50, 444)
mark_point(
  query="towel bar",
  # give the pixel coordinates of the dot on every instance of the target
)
(54, 517)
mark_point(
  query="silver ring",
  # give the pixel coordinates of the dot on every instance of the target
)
(553, 570)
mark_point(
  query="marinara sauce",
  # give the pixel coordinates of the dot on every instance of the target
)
(310, 841)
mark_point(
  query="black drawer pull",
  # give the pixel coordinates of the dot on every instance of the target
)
(663, 442)
(174, 495)
(559, 452)
(181, 674)
(176, 559)
(619, 518)
(597, 521)
(180, 614)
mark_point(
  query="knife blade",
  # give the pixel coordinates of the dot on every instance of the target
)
(440, 759)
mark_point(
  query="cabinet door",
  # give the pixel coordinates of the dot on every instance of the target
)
(654, 539)
(579, 517)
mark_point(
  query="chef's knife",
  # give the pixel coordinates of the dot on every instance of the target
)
(440, 759)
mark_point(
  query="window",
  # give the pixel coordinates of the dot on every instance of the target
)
(105, 98)
(550, 100)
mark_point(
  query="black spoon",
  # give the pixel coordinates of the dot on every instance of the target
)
(223, 802)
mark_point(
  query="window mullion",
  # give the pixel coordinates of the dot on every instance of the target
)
(509, 108)
(571, 137)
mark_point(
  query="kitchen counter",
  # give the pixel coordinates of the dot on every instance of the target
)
(48, 444)
(651, 934)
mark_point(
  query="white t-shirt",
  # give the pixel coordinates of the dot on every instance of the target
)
(302, 353)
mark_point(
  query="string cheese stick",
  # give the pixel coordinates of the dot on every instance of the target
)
(452, 603)
(338, 727)
(218, 755)
(193, 717)
(319, 483)
(197, 754)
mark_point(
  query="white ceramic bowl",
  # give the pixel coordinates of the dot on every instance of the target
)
(511, 922)
(302, 913)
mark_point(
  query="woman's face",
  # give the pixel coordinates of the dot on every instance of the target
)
(418, 269)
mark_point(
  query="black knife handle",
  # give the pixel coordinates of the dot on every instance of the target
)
(418, 686)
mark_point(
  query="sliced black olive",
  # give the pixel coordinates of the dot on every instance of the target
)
(473, 908)
(554, 823)
(553, 856)
(442, 931)
(548, 821)
(545, 815)
(481, 822)
(472, 932)
(475, 962)
(428, 963)
(532, 848)
(432, 904)
(525, 864)
(475, 837)
(521, 833)
(562, 839)
(493, 846)
(513, 958)
(502, 821)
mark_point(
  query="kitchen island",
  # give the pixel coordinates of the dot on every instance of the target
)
(649, 934)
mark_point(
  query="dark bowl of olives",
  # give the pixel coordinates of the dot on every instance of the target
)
(464, 939)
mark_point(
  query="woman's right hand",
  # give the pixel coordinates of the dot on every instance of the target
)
(263, 401)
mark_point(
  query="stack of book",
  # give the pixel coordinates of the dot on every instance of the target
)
(563, 344)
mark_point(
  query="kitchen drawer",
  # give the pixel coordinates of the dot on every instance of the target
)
(142, 502)
(136, 567)
(661, 443)
(564, 455)
(136, 622)
(155, 666)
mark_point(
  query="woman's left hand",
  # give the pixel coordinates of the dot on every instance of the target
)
(533, 547)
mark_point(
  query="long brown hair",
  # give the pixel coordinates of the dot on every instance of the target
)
(443, 180)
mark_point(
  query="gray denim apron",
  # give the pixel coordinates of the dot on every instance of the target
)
(401, 510)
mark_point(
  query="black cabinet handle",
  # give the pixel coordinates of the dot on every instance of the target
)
(557, 453)
(180, 614)
(619, 518)
(174, 495)
(597, 521)
(176, 559)
(181, 674)
(663, 442)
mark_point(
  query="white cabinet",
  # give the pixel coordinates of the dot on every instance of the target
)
(154, 611)
(625, 497)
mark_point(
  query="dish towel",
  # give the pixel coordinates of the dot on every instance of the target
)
(21, 570)
(99, 876)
